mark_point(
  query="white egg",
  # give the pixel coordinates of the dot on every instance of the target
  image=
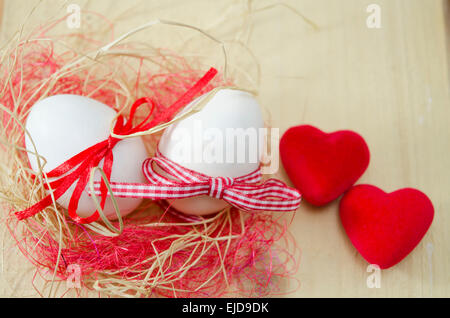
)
(62, 126)
(224, 139)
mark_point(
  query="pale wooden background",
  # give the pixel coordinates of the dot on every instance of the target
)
(391, 85)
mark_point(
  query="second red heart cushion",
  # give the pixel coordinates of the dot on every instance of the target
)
(321, 165)
(385, 227)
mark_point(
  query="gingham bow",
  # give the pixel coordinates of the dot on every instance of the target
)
(245, 192)
(218, 185)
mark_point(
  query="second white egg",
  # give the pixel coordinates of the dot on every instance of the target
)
(224, 139)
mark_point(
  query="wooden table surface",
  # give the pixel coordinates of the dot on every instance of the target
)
(390, 84)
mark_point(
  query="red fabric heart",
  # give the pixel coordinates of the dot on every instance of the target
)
(385, 227)
(323, 166)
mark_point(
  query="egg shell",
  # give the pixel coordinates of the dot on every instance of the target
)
(62, 126)
(183, 143)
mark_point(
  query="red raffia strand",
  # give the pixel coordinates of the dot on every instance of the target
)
(252, 264)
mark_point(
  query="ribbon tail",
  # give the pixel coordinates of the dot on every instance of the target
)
(82, 183)
(35, 209)
(74, 201)
(183, 100)
(281, 202)
(76, 160)
(63, 186)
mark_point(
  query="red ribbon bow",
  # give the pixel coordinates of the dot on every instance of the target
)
(82, 163)
(245, 192)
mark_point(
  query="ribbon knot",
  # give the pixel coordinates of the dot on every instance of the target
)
(77, 169)
(112, 141)
(218, 186)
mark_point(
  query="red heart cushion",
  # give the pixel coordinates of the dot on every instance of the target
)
(323, 166)
(385, 227)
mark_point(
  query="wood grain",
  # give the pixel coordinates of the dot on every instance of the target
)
(446, 5)
(391, 85)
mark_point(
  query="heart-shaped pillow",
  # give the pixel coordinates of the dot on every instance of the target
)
(385, 227)
(323, 166)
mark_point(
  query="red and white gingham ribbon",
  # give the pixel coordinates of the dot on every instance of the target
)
(245, 192)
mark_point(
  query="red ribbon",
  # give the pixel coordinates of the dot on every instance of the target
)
(85, 161)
